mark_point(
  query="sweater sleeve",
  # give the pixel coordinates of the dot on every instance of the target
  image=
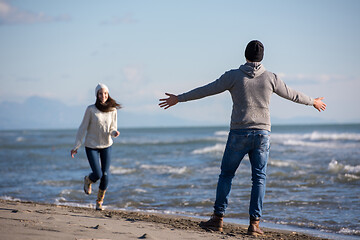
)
(218, 86)
(113, 126)
(281, 89)
(82, 129)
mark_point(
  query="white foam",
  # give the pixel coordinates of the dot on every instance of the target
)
(210, 170)
(352, 169)
(59, 201)
(8, 198)
(139, 190)
(318, 140)
(139, 142)
(348, 231)
(351, 176)
(20, 139)
(217, 148)
(278, 163)
(121, 170)
(279, 137)
(163, 169)
(316, 136)
(335, 166)
(56, 183)
(222, 133)
(323, 144)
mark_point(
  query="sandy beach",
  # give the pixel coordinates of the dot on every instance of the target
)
(27, 220)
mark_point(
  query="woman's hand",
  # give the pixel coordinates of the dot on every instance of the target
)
(73, 152)
(115, 134)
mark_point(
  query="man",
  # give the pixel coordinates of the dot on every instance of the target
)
(251, 87)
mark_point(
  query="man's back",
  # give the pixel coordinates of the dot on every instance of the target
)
(251, 87)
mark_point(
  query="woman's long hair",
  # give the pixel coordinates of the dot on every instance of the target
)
(108, 106)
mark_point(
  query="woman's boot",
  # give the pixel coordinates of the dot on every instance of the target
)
(254, 228)
(87, 185)
(100, 199)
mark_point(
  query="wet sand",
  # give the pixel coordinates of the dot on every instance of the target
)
(38, 221)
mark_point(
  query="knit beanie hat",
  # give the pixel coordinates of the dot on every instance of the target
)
(100, 86)
(254, 51)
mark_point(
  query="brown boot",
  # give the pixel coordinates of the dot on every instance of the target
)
(215, 223)
(87, 185)
(254, 228)
(100, 199)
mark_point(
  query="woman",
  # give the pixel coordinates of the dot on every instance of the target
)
(99, 124)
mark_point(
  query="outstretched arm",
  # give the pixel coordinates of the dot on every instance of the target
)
(168, 102)
(319, 104)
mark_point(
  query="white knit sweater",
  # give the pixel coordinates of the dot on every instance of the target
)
(98, 127)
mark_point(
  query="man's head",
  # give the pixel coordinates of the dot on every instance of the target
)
(254, 51)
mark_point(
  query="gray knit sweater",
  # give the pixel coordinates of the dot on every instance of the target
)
(251, 87)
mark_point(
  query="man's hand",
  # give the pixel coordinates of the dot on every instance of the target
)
(319, 104)
(168, 102)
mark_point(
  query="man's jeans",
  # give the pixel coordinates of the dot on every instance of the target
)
(255, 143)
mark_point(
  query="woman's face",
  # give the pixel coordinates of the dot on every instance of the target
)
(103, 95)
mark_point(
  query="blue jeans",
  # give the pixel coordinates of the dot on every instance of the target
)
(255, 143)
(99, 171)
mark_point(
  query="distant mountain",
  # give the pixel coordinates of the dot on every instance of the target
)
(38, 113)
(43, 113)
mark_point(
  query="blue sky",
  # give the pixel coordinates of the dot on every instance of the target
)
(60, 50)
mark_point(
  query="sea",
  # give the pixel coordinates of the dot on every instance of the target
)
(313, 175)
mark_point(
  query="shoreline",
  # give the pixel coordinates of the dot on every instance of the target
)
(30, 220)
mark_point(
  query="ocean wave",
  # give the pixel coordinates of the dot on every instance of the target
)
(152, 142)
(332, 145)
(351, 176)
(9, 198)
(317, 139)
(316, 136)
(210, 170)
(61, 201)
(222, 133)
(121, 170)
(20, 139)
(278, 163)
(139, 190)
(65, 192)
(217, 148)
(56, 183)
(335, 166)
(348, 231)
(163, 169)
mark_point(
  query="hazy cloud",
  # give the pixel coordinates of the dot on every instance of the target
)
(311, 79)
(27, 79)
(133, 73)
(12, 15)
(125, 19)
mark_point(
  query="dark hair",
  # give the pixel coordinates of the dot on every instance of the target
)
(108, 106)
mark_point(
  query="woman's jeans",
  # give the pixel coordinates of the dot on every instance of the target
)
(255, 143)
(99, 171)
